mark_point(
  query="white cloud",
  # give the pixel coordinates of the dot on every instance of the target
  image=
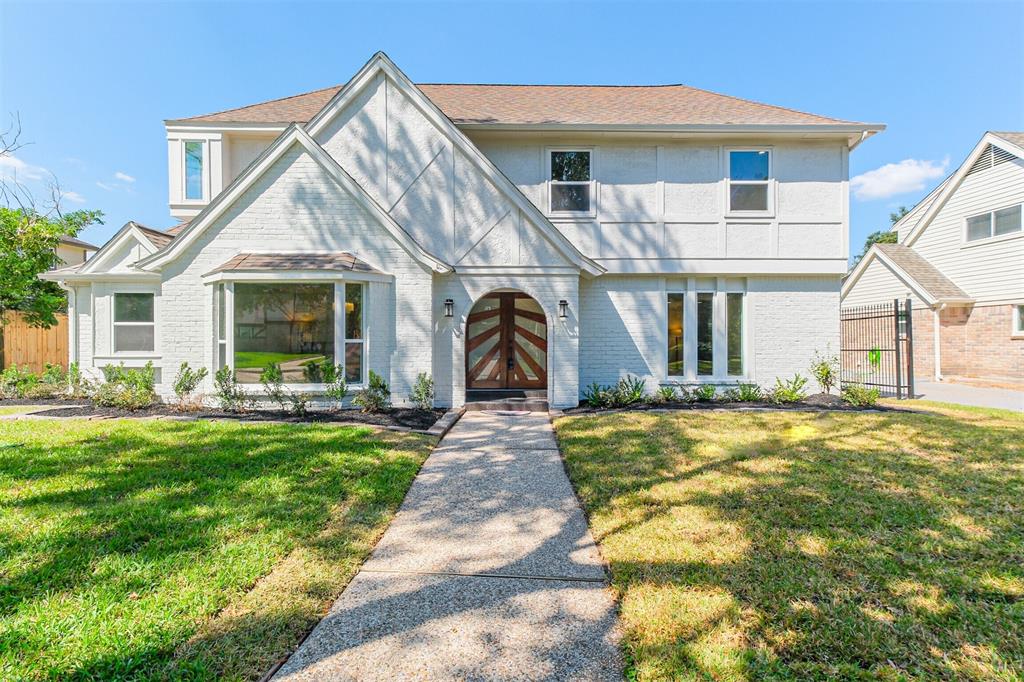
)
(123, 177)
(13, 168)
(103, 185)
(909, 175)
(73, 196)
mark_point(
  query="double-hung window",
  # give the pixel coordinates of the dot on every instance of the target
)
(194, 170)
(994, 223)
(134, 328)
(750, 181)
(570, 186)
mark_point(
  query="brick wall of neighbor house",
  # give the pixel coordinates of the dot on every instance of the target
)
(924, 344)
(977, 342)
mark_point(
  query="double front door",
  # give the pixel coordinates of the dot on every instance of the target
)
(506, 343)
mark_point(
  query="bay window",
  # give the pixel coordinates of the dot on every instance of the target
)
(749, 180)
(134, 324)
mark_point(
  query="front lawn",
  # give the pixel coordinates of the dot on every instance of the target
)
(134, 549)
(788, 545)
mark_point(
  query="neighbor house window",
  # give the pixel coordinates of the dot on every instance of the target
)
(134, 330)
(705, 334)
(676, 363)
(1018, 320)
(570, 181)
(734, 333)
(194, 170)
(354, 344)
(994, 223)
(222, 326)
(749, 173)
(288, 324)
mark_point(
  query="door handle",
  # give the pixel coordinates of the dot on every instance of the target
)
(511, 363)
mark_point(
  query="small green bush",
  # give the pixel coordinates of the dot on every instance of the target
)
(629, 391)
(54, 375)
(704, 393)
(299, 403)
(229, 393)
(825, 370)
(860, 396)
(272, 379)
(16, 383)
(126, 389)
(376, 397)
(789, 391)
(665, 394)
(748, 393)
(595, 395)
(78, 385)
(423, 392)
(335, 388)
(185, 383)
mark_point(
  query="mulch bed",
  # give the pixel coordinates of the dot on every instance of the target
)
(819, 402)
(408, 418)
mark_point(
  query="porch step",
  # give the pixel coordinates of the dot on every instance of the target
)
(509, 405)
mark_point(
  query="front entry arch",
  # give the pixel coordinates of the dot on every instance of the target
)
(506, 343)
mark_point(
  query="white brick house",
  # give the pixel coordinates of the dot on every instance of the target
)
(494, 237)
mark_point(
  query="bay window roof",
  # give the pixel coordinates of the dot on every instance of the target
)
(340, 261)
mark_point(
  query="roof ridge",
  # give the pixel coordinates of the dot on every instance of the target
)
(559, 85)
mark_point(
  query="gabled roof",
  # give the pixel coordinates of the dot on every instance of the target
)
(157, 238)
(340, 261)
(1010, 142)
(78, 243)
(926, 280)
(293, 135)
(575, 105)
(148, 238)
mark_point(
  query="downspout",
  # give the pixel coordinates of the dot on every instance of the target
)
(937, 340)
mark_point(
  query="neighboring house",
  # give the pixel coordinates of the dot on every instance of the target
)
(492, 236)
(960, 259)
(73, 251)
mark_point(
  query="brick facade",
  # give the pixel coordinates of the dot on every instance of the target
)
(977, 342)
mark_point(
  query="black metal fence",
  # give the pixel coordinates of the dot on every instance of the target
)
(877, 347)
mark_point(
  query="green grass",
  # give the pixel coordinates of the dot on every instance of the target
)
(17, 409)
(252, 359)
(182, 550)
(787, 545)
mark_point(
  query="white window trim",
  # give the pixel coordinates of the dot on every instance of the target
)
(770, 183)
(114, 324)
(720, 333)
(966, 243)
(1017, 321)
(204, 172)
(592, 211)
(339, 331)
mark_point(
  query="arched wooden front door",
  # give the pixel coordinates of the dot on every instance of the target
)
(506, 343)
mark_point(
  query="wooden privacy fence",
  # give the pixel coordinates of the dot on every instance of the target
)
(34, 346)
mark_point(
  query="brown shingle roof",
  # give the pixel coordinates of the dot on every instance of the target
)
(613, 105)
(73, 241)
(1016, 138)
(254, 262)
(159, 238)
(929, 277)
(177, 228)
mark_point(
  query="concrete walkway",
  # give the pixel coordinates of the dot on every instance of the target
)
(488, 572)
(965, 394)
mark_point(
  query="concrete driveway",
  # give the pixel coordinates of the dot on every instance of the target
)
(964, 394)
(488, 572)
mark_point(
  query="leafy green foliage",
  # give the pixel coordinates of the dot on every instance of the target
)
(882, 236)
(336, 390)
(629, 391)
(423, 391)
(298, 402)
(376, 397)
(28, 246)
(744, 393)
(15, 382)
(272, 379)
(860, 396)
(126, 389)
(825, 370)
(596, 395)
(230, 394)
(78, 385)
(789, 391)
(665, 394)
(704, 393)
(186, 382)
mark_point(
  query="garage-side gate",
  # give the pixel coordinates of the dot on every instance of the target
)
(877, 347)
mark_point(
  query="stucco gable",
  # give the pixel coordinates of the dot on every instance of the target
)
(435, 182)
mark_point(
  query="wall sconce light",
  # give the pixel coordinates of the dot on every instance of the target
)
(449, 307)
(563, 309)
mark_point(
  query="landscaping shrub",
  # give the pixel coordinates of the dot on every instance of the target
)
(860, 396)
(596, 395)
(78, 385)
(748, 393)
(185, 383)
(423, 392)
(630, 390)
(789, 391)
(299, 403)
(665, 394)
(15, 382)
(229, 393)
(703, 393)
(126, 389)
(272, 379)
(376, 397)
(52, 382)
(335, 388)
(825, 370)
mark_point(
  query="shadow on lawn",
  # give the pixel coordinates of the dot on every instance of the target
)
(138, 510)
(810, 545)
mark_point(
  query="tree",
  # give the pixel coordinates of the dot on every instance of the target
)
(882, 236)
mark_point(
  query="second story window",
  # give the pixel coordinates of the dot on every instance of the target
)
(570, 181)
(194, 170)
(749, 178)
(994, 223)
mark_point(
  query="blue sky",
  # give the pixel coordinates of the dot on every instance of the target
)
(93, 82)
